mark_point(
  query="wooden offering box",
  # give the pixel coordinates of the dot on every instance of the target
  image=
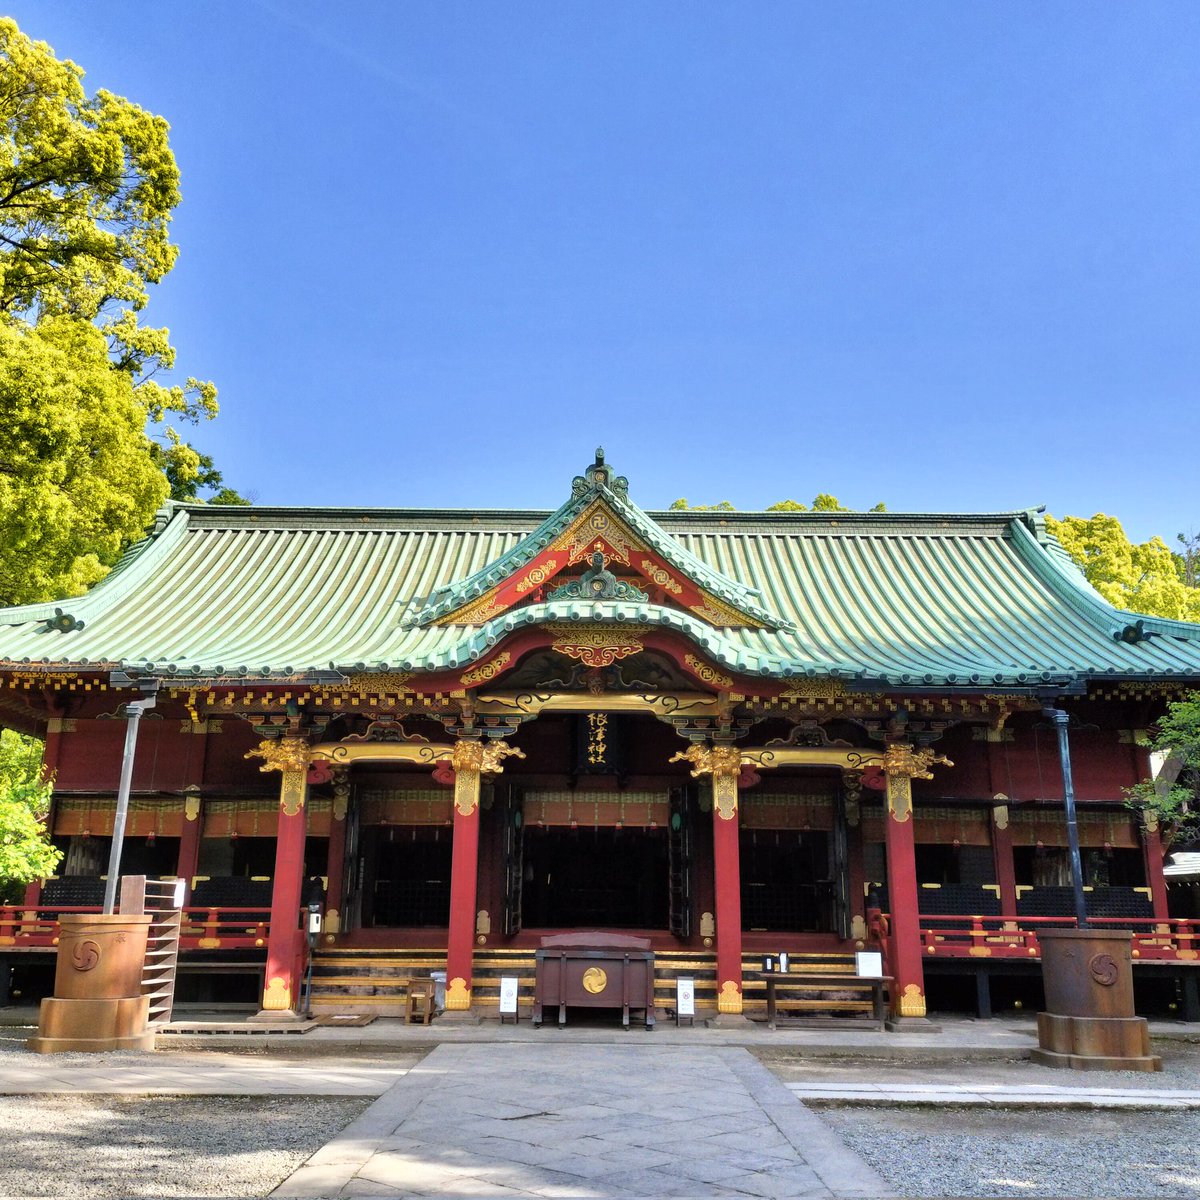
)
(595, 970)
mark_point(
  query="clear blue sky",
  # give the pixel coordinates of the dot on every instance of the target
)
(942, 254)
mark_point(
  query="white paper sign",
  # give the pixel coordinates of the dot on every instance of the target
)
(868, 964)
(685, 996)
(508, 994)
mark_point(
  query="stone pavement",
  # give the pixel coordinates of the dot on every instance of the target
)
(25, 1074)
(1026, 1095)
(579, 1120)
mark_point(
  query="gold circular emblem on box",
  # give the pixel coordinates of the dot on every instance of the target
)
(594, 980)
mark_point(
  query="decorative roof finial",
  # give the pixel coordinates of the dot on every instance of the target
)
(600, 475)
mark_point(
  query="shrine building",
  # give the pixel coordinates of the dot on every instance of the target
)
(729, 733)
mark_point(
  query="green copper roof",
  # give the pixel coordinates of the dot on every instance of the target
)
(894, 599)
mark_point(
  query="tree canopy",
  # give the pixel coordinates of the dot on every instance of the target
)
(1145, 576)
(25, 852)
(1172, 798)
(87, 451)
(823, 502)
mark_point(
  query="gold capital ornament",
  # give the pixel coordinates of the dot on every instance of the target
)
(901, 765)
(470, 760)
(290, 756)
(724, 764)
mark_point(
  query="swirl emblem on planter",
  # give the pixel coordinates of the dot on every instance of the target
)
(85, 956)
(1104, 969)
(595, 980)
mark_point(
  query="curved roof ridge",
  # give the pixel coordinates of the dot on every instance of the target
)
(1072, 587)
(135, 563)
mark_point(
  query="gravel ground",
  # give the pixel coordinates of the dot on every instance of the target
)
(1181, 1070)
(147, 1147)
(958, 1152)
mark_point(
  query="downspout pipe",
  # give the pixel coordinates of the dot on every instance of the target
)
(133, 715)
(1060, 720)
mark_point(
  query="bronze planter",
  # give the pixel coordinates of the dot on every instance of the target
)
(97, 1003)
(1089, 1022)
(100, 956)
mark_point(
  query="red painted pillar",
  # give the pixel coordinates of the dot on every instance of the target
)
(1153, 848)
(471, 759)
(908, 988)
(188, 862)
(288, 755)
(726, 764)
(335, 869)
(1006, 867)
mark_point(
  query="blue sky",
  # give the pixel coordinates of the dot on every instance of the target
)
(943, 255)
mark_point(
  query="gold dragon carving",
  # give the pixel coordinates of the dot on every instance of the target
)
(473, 759)
(723, 763)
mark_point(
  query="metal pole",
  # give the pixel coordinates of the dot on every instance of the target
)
(133, 713)
(1060, 720)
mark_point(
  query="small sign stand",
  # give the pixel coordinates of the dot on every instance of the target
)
(685, 1000)
(868, 964)
(508, 999)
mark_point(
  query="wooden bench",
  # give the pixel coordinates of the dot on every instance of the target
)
(789, 981)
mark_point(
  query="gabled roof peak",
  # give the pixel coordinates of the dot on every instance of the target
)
(599, 525)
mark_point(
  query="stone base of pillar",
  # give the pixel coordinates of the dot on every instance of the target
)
(274, 1016)
(730, 1021)
(459, 1016)
(911, 1025)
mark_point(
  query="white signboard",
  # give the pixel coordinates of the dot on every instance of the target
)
(868, 964)
(685, 996)
(508, 994)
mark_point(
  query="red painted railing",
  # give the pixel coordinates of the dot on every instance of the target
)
(1172, 940)
(203, 928)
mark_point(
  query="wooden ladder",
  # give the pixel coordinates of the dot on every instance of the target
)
(157, 899)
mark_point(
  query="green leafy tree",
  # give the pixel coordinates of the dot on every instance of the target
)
(87, 188)
(25, 851)
(1144, 577)
(1172, 796)
(823, 502)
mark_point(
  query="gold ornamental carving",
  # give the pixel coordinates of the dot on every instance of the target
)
(458, 995)
(1149, 820)
(191, 807)
(471, 760)
(724, 764)
(379, 681)
(287, 754)
(537, 576)
(278, 996)
(477, 613)
(483, 757)
(595, 980)
(710, 760)
(663, 578)
(902, 760)
(581, 538)
(708, 674)
(815, 689)
(912, 1002)
(290, 756)
(1000, 816)
(723, 616)
(486, 672)
(729, 999)
(596, 646)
